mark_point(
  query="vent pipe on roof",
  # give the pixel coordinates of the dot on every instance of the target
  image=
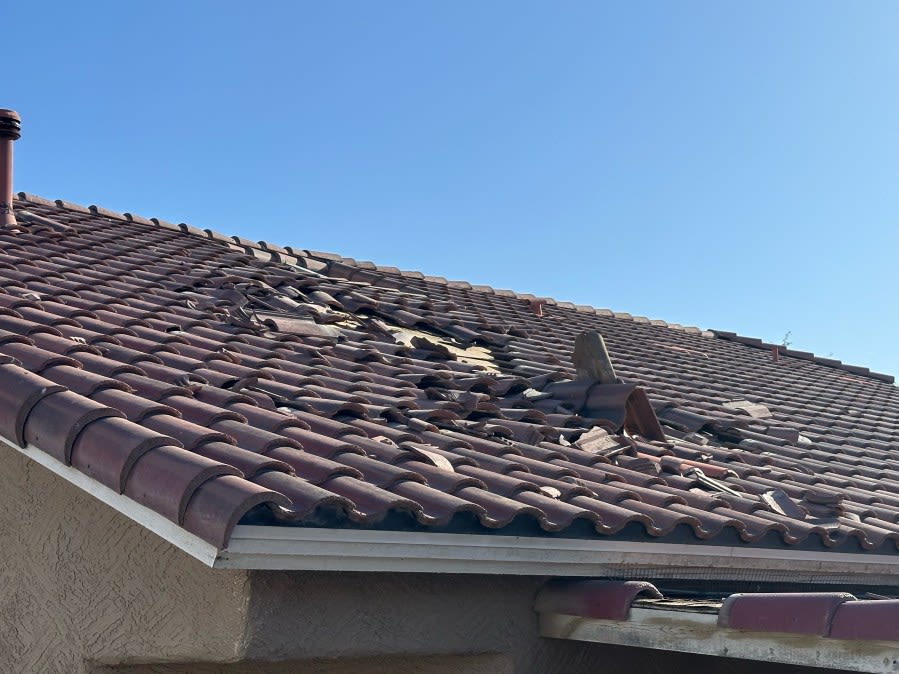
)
(10, 130)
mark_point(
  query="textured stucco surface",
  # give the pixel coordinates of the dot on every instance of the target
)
(360, 615)
(370, 614)
(80, 583)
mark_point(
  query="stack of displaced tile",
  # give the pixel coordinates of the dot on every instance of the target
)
(212, 379)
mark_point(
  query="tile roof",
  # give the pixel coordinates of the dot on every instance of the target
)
(835, 615)
(215, 379)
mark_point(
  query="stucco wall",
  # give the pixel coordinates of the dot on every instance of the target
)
(368, 614)
(81, 583)
(301, 616)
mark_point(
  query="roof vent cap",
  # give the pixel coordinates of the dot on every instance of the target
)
(10, 130)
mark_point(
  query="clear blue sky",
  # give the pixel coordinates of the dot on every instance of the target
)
(727, 165)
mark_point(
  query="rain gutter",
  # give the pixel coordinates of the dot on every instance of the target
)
(300, 548)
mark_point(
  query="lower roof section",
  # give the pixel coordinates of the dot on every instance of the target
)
(699, 633)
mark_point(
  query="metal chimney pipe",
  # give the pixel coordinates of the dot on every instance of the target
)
(10, 130)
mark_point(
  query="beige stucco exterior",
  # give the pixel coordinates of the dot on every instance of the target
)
(82, 583)
(84, 589)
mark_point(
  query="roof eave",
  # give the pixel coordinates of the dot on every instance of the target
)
(305, 548)
(164, 528)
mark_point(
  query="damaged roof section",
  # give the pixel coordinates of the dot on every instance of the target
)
(296, 388)
(833, 630)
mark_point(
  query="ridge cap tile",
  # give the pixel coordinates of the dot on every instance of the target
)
(105, 212)
(599, 599)
(798, 612)
(866, 620)
(66, 205)
(803, 355)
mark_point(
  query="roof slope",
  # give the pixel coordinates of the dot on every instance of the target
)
(212, 378)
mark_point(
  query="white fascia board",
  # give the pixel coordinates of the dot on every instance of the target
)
(265, 547)
(179, 537)
(699, 633)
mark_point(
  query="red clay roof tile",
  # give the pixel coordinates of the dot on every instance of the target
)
(877, 619)
(55, 422)
(798, 613)
(607, 600)
(165, 478)
(218, 504)
(107, 449)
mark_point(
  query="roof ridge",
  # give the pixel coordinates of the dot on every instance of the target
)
(757, 343)
(583, 308)
(259, 249)
(721, 334)
(275, 253)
